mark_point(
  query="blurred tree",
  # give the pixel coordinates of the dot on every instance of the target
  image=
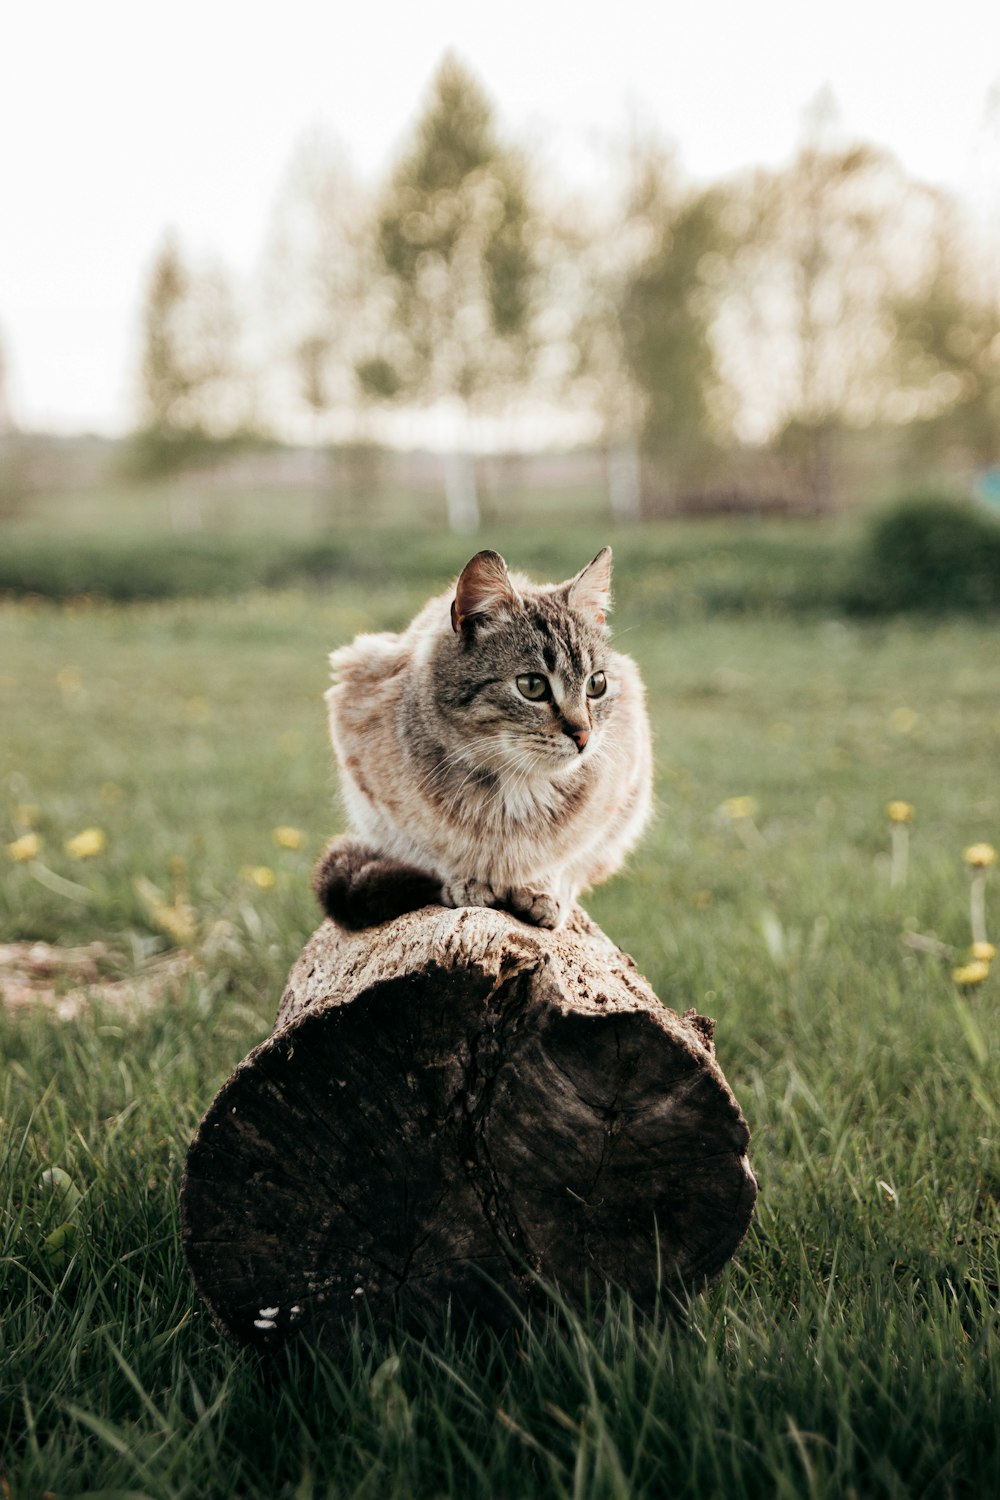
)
(322, 311)
(644, 330)
(666, 325)
(317, 283)
(15, 480)
(805, 325)
(454, 234)
(584, 358)
(6, 414)
(948, 331)
(193, 391)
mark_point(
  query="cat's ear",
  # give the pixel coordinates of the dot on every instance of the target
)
(483, 591)
(589, 593)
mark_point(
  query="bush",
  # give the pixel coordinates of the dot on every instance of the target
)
(929, 554)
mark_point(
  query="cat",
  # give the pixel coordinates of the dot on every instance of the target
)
(494, 753)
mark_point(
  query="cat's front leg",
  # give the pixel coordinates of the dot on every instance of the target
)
(540, 908)
(358, 886)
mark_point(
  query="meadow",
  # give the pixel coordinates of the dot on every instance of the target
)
(850, 1348)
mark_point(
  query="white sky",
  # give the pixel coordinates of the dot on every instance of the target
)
(119, 118)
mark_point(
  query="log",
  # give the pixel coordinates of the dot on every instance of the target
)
(451, 1106)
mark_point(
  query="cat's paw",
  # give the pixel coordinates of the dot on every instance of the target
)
(469, 893)
(540, 908)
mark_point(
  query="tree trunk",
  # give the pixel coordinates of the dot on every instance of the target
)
(450, 1105)
(461, 492)
(625, 480)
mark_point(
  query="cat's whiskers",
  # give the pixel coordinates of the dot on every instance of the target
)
(528, 791)
(451, 802)
(445, 768)
(441, 769)
(507, 797)
(507, 765)
(476, 768)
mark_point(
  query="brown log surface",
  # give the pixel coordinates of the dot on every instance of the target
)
(450, 1104)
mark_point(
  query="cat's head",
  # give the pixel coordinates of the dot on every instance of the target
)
(528, 678)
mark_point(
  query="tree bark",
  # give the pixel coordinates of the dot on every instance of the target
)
(450, 1106)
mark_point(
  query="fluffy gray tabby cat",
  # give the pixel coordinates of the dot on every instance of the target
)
(495, 753)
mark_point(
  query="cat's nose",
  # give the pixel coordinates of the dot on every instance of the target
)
(577, 733)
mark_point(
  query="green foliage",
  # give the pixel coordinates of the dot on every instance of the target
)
(454, 138)
(797, 308)
(851, 1347)
(948, 352)
(927, 554)
(190, 382)
(666, 316)
(161, 452)
(453, 231)
(166, 382)
(808, 328)
(379, 378)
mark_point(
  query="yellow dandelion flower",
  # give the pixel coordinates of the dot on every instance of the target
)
(986, 952)
(980, 856)
(86, 844)
(899, 812)
(260, 875)
(178, 922)
(177, 919)
(972, 973)
(739, 808)
(26, 847)
(288, 838)
(904, 720)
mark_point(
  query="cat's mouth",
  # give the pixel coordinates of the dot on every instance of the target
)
(523, 760)
(564, 754)
(570, 760)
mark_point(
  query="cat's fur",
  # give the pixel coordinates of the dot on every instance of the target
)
(461, 790)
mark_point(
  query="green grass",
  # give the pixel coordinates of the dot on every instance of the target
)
(850, 1348)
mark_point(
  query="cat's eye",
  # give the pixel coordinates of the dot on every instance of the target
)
(534, 686)
(597, 685)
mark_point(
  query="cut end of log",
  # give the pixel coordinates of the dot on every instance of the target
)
(452, 1106)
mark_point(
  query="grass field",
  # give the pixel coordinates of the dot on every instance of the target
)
(852, 1346)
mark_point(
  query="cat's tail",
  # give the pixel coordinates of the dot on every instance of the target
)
(359, 887)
